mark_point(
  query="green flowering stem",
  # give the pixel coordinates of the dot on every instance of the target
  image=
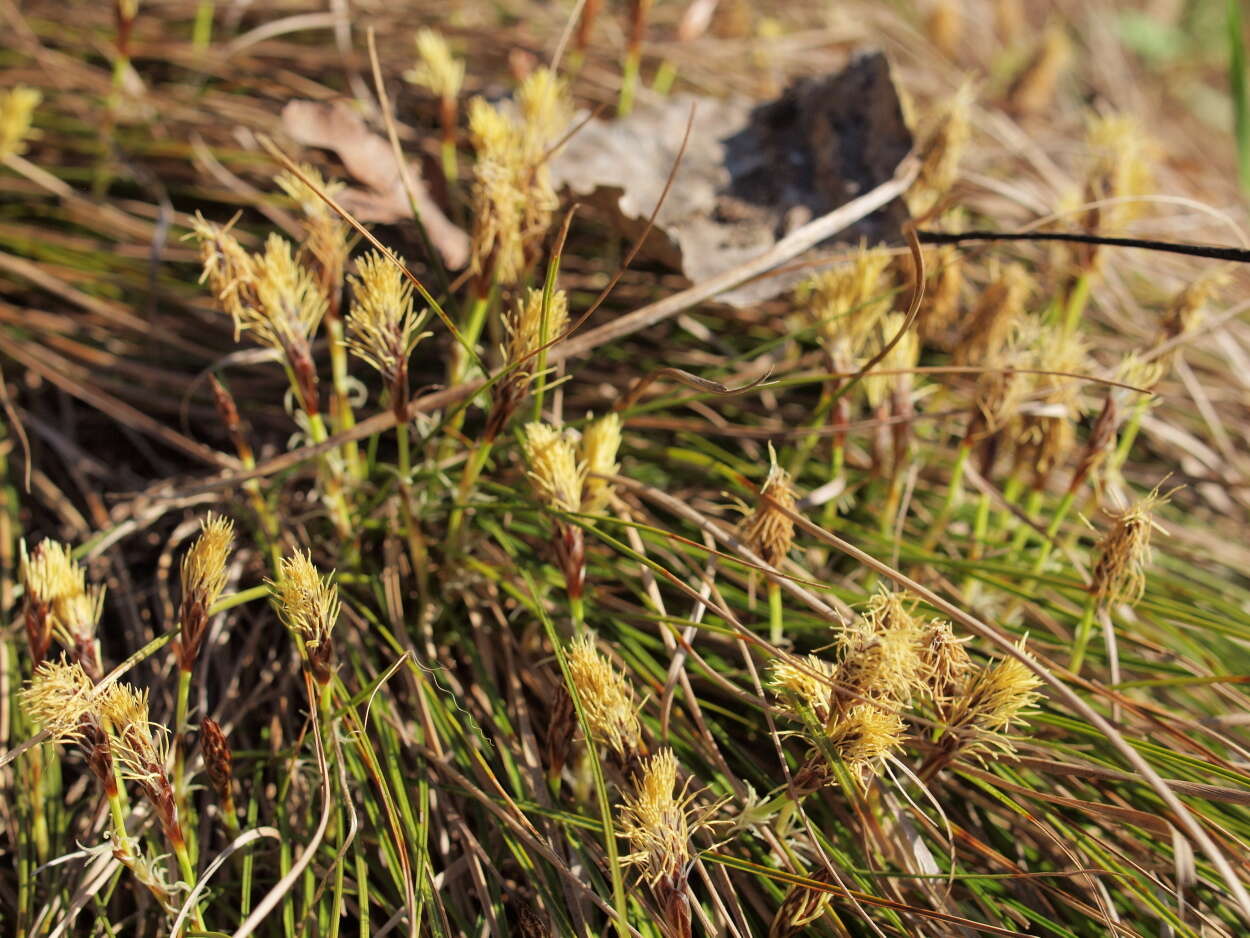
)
(344, 419)
(776, 623)
(180, 749)
(954, 490)
(1084, 629)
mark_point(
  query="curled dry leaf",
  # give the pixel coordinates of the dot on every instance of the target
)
(751, 173)
(369, 159)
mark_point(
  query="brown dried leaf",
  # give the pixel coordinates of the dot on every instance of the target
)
(750, 175)
(368, 158)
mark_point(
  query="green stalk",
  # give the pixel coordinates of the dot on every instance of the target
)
(954, 489)
(776, 624)
(1128, 436)
(188, 876)
(337, 502)
(344, 419)
(1052, 530)
(1077, 299)
(1080, 640)
(1024, 531)
(450, 170)
(202, 30)
(980, 527)
(664, 78)
(468, 479)
(629, 82)
(180, 750)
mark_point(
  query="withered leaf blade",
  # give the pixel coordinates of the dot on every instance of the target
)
(368, 158)
(751, 173)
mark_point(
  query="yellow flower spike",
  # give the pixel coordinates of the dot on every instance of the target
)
(600, 443)
(554, 469)
(864, 736)
(308, 605)
(904, 355)
(437, 69)
(1119, 574)
(203, 578)
(305, 193)
(606, 697)
(770, 531)
(846, 301)
(57, 697)
(17, 108)
(804, 683)
(940, 154)
(382, 324)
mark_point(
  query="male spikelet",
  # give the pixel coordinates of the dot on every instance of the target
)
(606, 697)
(308, 605)
(658, 820)
(601, 441)
(997, 313)
(558, 476)
(1034, 87)
(141, 749)
(203, 576)
(382, 326)
(803, 686)
(769, 530)
(17, 109)
(941, 153)
(530, 325)
(441, 73)
(879, 656)
(863, 736)
(327, 238)
(1119, 573)
(48, 573)
(995, 699)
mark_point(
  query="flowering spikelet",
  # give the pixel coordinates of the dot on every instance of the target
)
(864, 736)
(530, 325)
(944, 662)
(141, 749)
(1119, 169)
(1119, 574)
(289, 305)
(804, 684)
(879, 656)
(512, 195)
(941, 153)
(1034, 88)
(606, 697)
(770, 532)
(554, 468)
(226, 265)
(437, 69)
(997, 313)
(1047, 429)
(846, 301)
(326, 241)
(308, 605)
(1184, 312)
(382, 325)
(203, 576)
(48, 573)
(17, 107)
(601, 441)
(658, 820)
(994, 701)
(939, 307)
(57, 696)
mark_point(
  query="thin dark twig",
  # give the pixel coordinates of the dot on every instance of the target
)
(1237, 255)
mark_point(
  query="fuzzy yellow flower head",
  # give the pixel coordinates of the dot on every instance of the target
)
(437, 69)
(17, 108)
(56, 698)
(804, 684)
(1120, 572)
(307, 602)
(606, 697)
(658, 820)
(770, 531)
(382, 324)
(865, 736)
(203, 571)
(600, 444)
(554, 468)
